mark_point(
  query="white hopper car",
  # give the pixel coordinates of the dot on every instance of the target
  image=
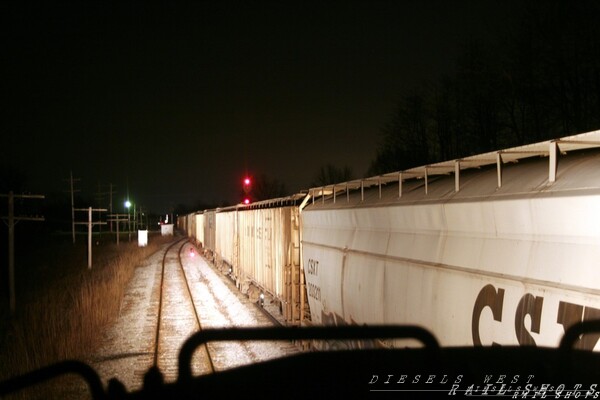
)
(498, 248)
(258, 247)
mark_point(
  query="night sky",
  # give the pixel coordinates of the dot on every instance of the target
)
(176, 103)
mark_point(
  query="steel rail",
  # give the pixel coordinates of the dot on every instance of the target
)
(160, 301)
(189, 291)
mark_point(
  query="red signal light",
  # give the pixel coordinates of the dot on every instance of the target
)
(247, 188)
(247, 183)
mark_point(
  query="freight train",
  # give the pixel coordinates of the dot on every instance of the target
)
(491, 262)
(501, 248)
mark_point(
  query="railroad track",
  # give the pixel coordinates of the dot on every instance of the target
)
(179, 316)
(170, 297)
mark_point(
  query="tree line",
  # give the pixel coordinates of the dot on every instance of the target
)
(542, 81)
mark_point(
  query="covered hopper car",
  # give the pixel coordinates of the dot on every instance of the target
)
(498, 248)
(258, 247)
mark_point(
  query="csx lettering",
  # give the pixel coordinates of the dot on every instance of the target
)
(532, 306)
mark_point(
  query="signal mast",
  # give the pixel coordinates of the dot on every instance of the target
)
(247, 186)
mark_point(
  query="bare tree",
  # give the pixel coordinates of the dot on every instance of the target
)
(328, 174)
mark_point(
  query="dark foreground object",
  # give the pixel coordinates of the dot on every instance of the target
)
(429, 371)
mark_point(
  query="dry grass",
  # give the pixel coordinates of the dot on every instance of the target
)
(65, 309)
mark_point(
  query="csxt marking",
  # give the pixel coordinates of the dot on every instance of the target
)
(566, 315)
(314, 291)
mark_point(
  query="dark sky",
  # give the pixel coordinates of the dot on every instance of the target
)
(176, 103)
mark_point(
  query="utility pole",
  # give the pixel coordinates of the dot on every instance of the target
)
(110, 204)
(100, 198)
(73, 205)
(90, 224)
(11, 220)
(141, 216)
(117, 218)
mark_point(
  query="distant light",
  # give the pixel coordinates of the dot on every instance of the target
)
(246, 181)
(246, 201)
(127, 204)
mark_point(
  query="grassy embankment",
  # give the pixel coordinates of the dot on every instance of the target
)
(62, 307)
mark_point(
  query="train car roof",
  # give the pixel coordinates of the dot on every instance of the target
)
(291, 200)
(554, 166)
